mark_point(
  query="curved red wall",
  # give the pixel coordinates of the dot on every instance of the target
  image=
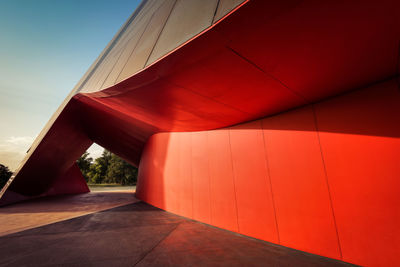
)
(322, 178)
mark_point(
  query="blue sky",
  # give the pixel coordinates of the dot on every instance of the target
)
(45, 48)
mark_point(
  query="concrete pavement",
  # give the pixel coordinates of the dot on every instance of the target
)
(42, 211)
(134, 234)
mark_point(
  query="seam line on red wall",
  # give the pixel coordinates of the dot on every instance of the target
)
(206, 97)
(209, 179)
(191, 170)
(327, 181)
(179, 194)
(270, 182)
(268, 74)
(233, 178)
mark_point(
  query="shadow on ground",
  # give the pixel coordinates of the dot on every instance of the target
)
(141, 235)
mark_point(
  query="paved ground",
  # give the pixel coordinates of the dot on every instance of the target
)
(34, 213)
(138, 234)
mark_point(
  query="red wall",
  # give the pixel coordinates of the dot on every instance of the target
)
(323, 178)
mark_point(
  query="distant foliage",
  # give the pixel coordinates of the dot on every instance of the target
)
(109, 168)
(5, 174)
(121, 172)
(84, 163)
(98, 169)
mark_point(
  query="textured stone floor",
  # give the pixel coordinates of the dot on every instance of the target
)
(138, 234)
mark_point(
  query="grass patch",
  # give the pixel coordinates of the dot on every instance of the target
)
(108, 185)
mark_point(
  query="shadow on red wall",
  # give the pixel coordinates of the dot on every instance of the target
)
(323, 178)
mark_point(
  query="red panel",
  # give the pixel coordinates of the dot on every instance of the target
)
(230, 177)
(361, 145)
(185, 174)
(281, 48)
(235, 75)
(261, 60)
(300, 190)
(223, 199)
(314, 47)
(169, 107)
(201, 178)
(72, 182)
(144, 186)
(115, 126)
(171, 174)
(256, 214)
(151, 187)
(65, 141)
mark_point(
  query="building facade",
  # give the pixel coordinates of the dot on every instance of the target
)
(278, 120)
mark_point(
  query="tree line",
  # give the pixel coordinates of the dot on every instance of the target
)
(107, 169)
(5, 174)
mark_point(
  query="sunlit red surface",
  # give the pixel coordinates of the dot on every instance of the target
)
(322, 178)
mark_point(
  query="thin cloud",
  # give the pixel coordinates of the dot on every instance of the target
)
(13, 150)
(20, 140)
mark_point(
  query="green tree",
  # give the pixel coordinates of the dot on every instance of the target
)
(121, 172)
(98, 169)
(84, 163)
(5, 174)
(108, 168)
